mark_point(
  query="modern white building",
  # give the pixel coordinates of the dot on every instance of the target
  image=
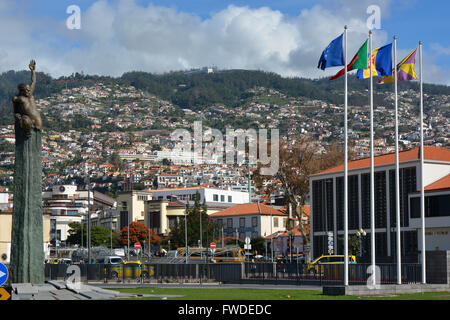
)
(67, 204)
(327, 212)
(211, 195)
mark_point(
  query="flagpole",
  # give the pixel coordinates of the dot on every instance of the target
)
(422, 191)
(397, 172)
(372, 179)
(345, 166)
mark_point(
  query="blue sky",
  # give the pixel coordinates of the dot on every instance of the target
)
(284, 36)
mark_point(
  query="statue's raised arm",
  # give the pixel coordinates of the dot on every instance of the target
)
(32, 67)
(25, 109)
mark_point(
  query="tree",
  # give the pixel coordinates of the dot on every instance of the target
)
(100, 236)
(258, 245)
(296, 164)
(198, 211)
(138, 233)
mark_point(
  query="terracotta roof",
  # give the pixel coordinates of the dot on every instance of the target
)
(431, 153)
(443, 183)
(202, 186)
(247, 209)
(176, 204)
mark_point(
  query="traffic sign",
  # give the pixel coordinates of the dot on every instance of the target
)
(137, 245)
(247, 240)
(212, 245)
(3, 273)
(5, 293)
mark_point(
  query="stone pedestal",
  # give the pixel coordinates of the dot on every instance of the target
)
(27, 248)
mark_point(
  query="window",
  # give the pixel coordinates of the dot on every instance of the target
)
(220, 222)
(242, 222)
(275, 222)
(215, 197)
(435, 206)
(230, 199)
(254, 221)
(229, 223)
(124, 204)
(222, 198)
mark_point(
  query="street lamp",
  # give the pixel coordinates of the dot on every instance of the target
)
(360, 233)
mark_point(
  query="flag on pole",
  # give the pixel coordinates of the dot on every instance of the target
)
(359, 61)
(381, 63)
(333, 55)
(405, 70)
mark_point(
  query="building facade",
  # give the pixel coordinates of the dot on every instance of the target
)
(327, 203)
(251, 220)
(66, 204)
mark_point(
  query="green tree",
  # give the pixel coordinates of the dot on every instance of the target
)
(194, 214)
(258, 245)
(100, 236)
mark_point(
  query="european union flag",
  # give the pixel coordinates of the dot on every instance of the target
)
(333, 55)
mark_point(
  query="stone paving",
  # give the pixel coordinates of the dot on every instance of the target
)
(58, 290)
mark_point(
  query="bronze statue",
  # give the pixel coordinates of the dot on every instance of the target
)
(25, 109)
(27, 246)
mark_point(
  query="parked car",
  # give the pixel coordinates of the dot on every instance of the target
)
(317, 266)
(65, 261)
(113, 260)
(131, 268)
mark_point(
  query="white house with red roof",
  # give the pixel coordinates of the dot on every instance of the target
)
(327, 213)
(251, 220)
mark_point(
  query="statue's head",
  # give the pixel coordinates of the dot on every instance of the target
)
(24, 89)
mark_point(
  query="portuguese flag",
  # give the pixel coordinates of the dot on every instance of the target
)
(359, 61)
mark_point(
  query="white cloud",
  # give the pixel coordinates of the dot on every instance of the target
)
(439, 49)
(122, 36)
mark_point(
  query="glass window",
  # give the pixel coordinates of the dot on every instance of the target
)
(254, 221)
(230, 199)
(275, 222)
(241, 222)
(222, 198)
(215, 197)
(230, 223)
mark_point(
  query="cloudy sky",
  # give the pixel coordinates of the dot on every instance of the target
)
(282, 36)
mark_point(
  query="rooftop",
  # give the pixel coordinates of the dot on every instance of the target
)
(441, 184)
(431, 154)
(248, 209)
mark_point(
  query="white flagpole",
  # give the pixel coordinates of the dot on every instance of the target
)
(372, 178)
(397, 172)
(345, 166)
(422, 191)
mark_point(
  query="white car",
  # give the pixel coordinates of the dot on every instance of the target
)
(113, 260)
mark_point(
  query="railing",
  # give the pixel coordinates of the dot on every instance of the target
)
(358, 274)
(260, 273)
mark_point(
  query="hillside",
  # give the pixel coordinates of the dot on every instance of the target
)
(197, 91)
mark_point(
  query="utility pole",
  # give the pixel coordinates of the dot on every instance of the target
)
(89, 217)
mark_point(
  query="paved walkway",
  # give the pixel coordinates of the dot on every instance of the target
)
(57, 290)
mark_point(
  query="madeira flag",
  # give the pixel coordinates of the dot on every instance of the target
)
(381, 63)
(359, 61)
(405, 69)
(333, 55)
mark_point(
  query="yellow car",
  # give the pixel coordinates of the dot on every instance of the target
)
(317, 266)
(132, 269)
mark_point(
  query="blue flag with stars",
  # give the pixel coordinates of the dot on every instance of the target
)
(333, 55)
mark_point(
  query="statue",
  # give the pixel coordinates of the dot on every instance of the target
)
(24, 105)
(27, 243)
